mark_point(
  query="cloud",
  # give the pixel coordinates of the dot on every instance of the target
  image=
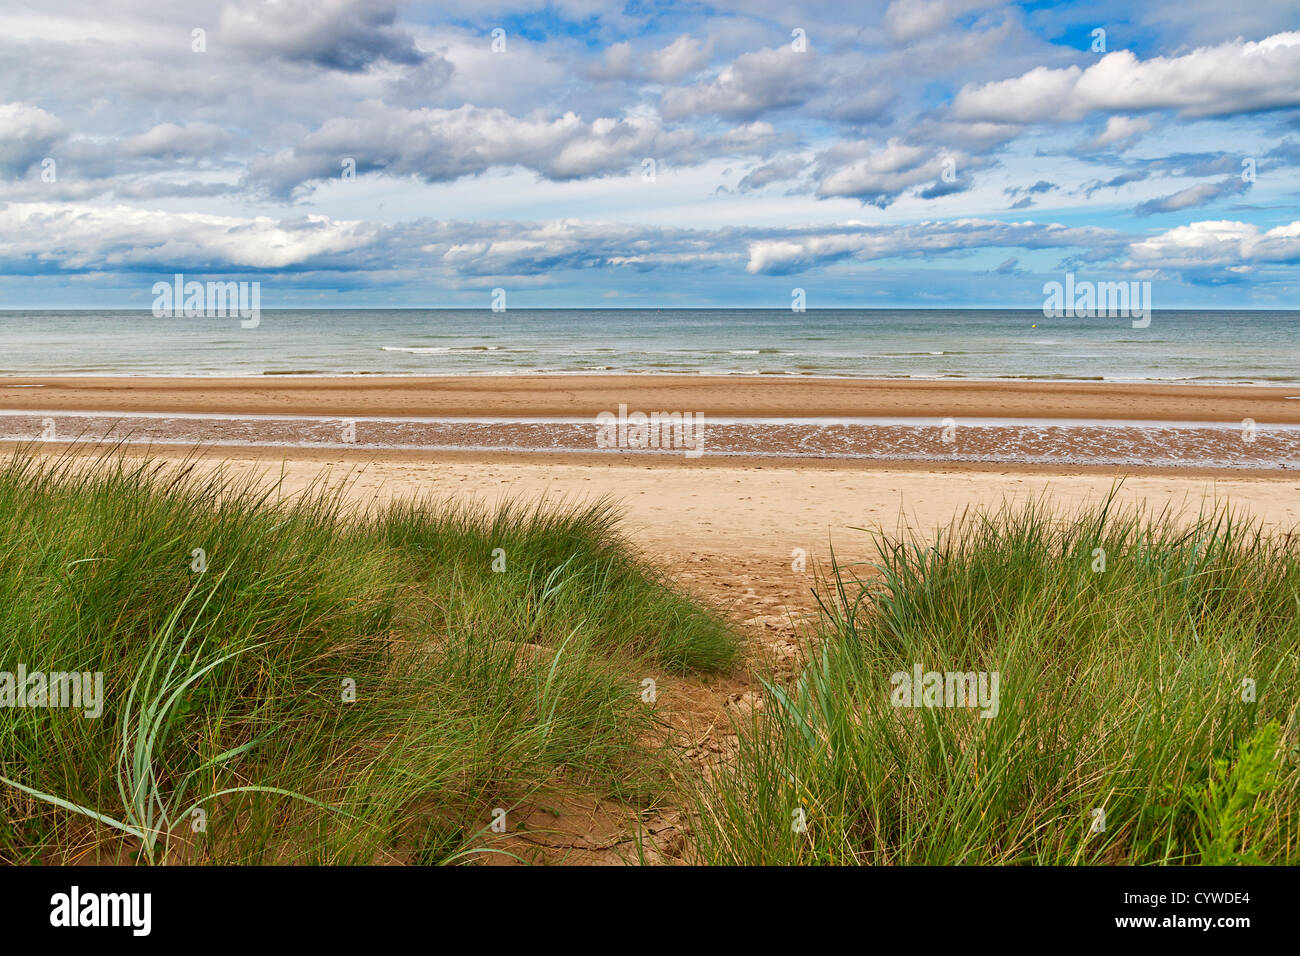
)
(1042, 186)
(1193, 196)
(1041, 94)
(1220, 244)
(415, 86)
(1119, 129)
(1026, 193)
(45, 238)
(1197, 164)
(347, 35)
(879, 176)
(974, 137)
(441, 145)
(752, 84)
(39, 238)
(945, 187)
(27, 135)
(908, 20)
(169, 141)
(778, 170)
(801, 251)
(75, 237)
(1286, 153)
(1122, 179)
(684, 56)
(848, 102)
(1230, 78)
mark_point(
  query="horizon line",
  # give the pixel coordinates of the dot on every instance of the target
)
(631, 308)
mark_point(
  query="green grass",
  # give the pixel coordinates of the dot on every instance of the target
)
(497, 656)
(225, 688)
(1120, 690)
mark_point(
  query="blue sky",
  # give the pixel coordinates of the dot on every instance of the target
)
(932, 153)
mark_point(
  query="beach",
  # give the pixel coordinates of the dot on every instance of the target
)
(587, 395)
(727, 524)
(730, 529)
(1013, 424)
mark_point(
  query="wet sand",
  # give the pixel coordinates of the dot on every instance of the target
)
(715, 396)
(1053, 424)
(1153, 444)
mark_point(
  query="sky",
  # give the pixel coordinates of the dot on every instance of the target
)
(580, 154)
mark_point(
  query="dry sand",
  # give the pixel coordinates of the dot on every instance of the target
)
(731, 527)
(751, 508)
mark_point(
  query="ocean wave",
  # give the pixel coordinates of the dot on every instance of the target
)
(448, 349)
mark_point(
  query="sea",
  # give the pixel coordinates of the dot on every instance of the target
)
(1237, 347)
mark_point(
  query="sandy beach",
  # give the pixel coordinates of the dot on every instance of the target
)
(1008, 424)
(728, 526)
(715, 396)
(744, 519)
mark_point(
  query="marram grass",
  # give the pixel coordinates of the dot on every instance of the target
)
(286, 680)
(1149, 677)
(333, 686)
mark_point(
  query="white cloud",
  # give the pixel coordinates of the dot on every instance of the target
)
(751, 84)
(37, 238)
(524, 77)
(1233, 77)
(440, 145)
(167, 140)
(859, 171)
(1041, 94)
(680, 58)
(1120, 129)
(76, 236)
(684, 56)
(1217, 244)
(909, 20)
(864, 242)
(82, 237)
